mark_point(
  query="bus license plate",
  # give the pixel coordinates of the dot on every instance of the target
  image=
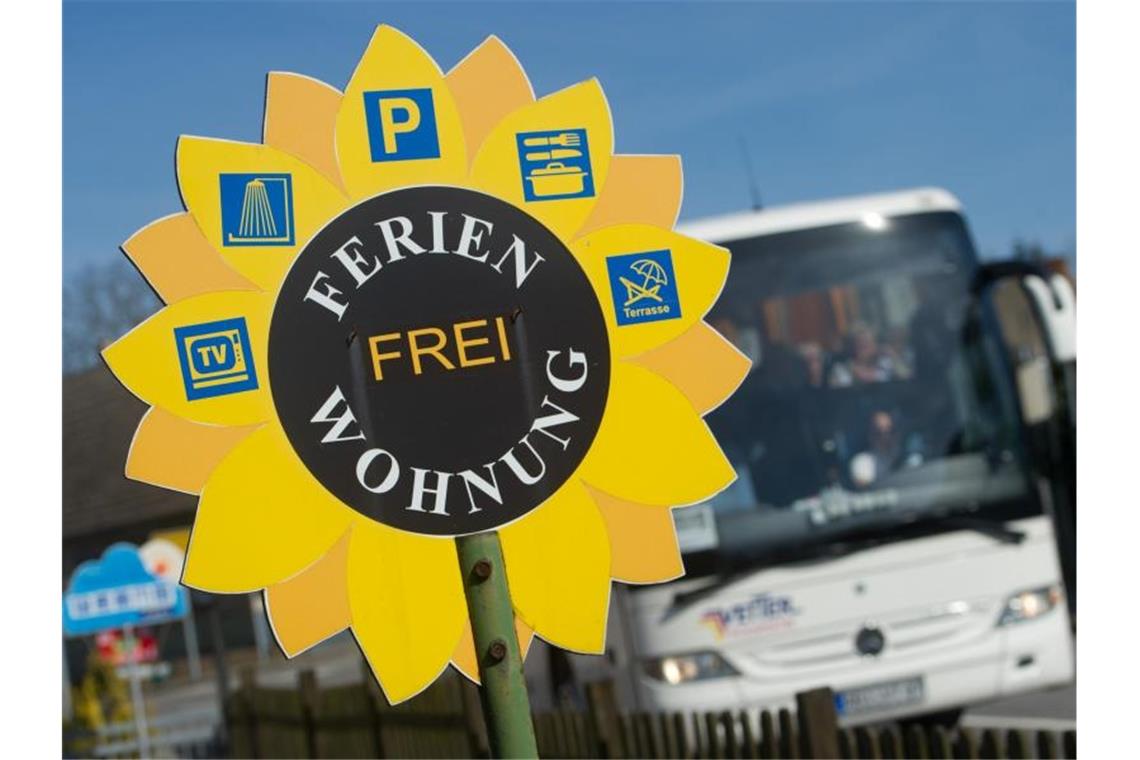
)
(880, 697)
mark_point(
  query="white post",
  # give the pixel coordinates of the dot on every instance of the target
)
(260, 626)
(138, 706)
(67, 706)
(190, 639)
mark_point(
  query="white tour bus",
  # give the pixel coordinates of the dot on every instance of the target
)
(889, 532)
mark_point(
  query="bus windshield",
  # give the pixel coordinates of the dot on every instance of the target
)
(873, 409)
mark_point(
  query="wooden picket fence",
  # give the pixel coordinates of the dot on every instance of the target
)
(446, 721)
(353, 721)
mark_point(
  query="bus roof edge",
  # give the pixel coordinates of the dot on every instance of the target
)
(796, 216)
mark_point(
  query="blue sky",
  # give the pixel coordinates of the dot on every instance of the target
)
(832, 99)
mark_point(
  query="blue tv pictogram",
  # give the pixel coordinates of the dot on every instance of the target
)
(644, 287)
(215, 358)
(257, 209)
(401, 124)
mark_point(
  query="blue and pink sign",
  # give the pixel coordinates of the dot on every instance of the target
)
(118, 589)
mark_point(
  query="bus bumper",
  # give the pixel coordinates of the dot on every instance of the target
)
(1008, 660)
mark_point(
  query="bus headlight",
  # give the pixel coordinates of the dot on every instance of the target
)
(694, 666)
(1029, 605)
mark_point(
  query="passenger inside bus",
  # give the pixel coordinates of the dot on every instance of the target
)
(863, 361)
(839, 395)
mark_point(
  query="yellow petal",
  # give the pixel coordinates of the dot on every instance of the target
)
(258, 233)
(643, 540)
(398, 124)
(171, 452)
(300, 118)
(178, 261)
(664, 457)
(701, 364)
(262, 519)
(698, 271)
(464, 659)
(487, 85)
(312, 605)
(565, 188)
(639, 190)
(408, 608)
(558, 569)
(222, 333)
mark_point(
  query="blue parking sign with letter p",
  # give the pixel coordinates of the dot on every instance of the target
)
(401, 124)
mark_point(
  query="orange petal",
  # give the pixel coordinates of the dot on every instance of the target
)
(178, 261)
(639, 190)
(701, 364)
(171, 452)
(526, 636)
(642, 539)
(487, 85)
(300, 118)
(312, 605)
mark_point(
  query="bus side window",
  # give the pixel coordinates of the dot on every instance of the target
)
(1025, 350)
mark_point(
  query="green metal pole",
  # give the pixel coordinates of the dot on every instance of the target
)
(505, 705)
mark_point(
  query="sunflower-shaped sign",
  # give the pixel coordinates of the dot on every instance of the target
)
(427, 307)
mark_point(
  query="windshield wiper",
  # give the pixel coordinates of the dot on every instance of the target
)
(682, 600)
(998, 530)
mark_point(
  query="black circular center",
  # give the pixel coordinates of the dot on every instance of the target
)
(438, 360)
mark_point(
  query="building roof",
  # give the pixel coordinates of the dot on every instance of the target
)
(99, 421)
